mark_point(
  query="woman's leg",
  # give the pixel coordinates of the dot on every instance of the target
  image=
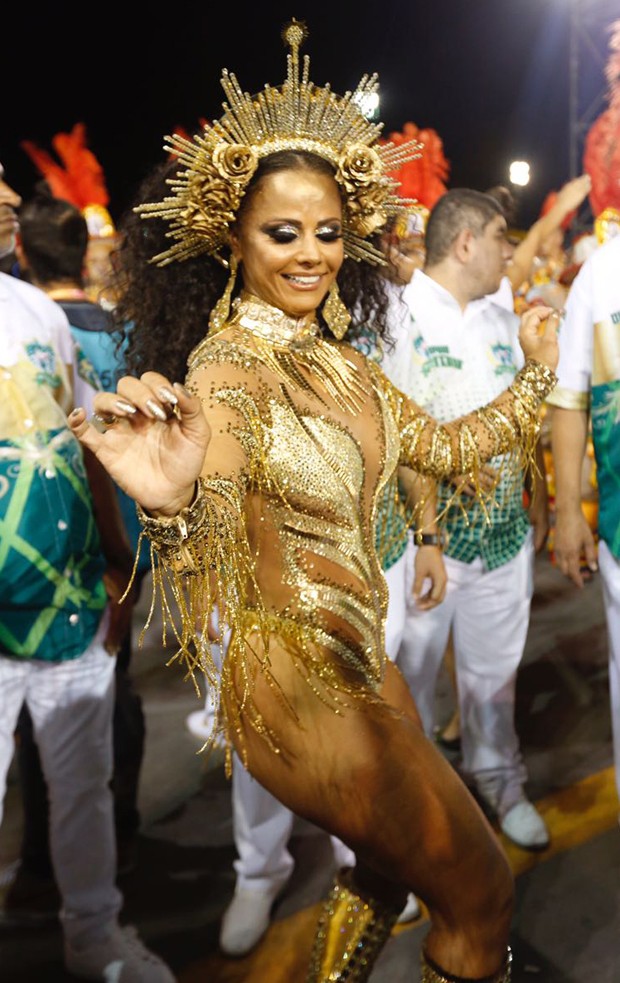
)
(369, 776)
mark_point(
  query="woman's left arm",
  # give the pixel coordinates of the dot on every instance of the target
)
(510, 422)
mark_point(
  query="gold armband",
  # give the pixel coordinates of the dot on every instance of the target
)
(432, 973)
(171, 536)
(533, 383)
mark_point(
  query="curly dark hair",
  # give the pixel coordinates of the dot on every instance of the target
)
(168, 307)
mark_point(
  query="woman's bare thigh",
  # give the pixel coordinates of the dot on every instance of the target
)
(370, 776)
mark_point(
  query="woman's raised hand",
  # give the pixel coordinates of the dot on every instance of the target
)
(537, 344)
(151, 436)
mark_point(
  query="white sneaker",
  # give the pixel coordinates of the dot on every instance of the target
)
(245, 921)
(200, 724)
(410, 912)
(524, 825)
(120, 958)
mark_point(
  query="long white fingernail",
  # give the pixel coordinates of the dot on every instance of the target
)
(167, 395)
(156, 410)
(124, 407)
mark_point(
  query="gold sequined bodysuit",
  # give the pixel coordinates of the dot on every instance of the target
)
(306, 433)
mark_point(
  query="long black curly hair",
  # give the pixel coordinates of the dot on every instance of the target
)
(168, 307)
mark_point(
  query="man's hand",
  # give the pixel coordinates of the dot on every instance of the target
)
(429, 566)
(573, 541)
(573, 193)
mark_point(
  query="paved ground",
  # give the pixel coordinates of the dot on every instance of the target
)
(567, 922)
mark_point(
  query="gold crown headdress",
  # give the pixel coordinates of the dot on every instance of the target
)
(218, 164)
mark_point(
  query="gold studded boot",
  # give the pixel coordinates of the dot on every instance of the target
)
(432, 973)
(350, 935)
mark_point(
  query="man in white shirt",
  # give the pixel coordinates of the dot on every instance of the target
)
(589, 389)
(56, 625)
(463, 351)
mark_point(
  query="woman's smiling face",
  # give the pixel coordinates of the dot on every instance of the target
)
(289, 240)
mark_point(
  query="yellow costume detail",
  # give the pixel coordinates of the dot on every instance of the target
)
(306, 436)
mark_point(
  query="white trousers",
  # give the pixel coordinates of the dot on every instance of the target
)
(262, 826)
(71, 705)
(610, 574)
(488, 612)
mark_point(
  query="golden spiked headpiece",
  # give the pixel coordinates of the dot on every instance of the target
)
(217, 165)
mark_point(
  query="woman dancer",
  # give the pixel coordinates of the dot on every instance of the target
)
(257, 484)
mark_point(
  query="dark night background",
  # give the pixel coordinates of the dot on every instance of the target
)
(491, 76)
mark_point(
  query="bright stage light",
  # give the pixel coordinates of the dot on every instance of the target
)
(369, 105)
(519, 173)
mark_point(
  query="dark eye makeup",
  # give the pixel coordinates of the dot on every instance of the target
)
(329, 233)
(288, 233)
(281, 233)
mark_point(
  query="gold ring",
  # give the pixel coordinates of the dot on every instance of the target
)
(103, 423)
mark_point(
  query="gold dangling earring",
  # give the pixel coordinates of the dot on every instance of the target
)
(221, 310)
(335, 314)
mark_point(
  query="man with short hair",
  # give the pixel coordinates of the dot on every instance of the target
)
(463, 351)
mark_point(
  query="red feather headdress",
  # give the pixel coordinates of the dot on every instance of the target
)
(601, 158)
(78, 179)
(424, 177)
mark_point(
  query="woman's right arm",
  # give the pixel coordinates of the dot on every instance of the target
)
(188, 478)
(179, 454)
(151, 436)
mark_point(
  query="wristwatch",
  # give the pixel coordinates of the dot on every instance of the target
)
(430, 539)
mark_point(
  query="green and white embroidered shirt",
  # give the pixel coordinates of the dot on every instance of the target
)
(52, 595)
(457, 361)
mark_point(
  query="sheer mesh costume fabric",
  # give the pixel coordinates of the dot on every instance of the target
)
(306, 435)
